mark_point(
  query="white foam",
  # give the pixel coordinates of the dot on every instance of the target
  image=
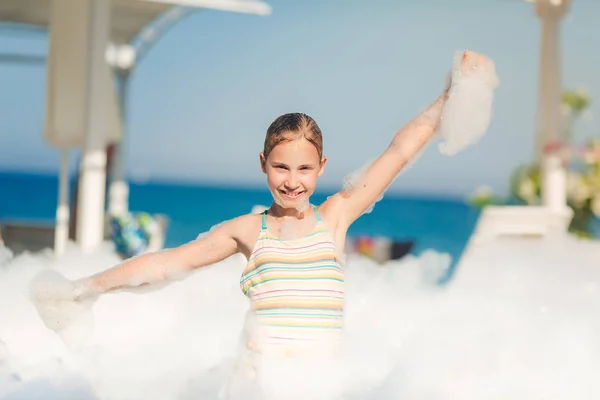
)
(468, 111)
(303, 204)
(520, 320)
(354, 179)
(357, 178)
(54, 297)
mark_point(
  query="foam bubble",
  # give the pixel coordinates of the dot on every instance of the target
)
(354, 180)
(303, 204)
(468, 111)
(357, 178)
(293, 228)
(276, 199)
(289, 230)
(54, 297)
(515, 316)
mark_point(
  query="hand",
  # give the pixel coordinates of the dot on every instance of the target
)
(474, 63)
(56, 300)
(471, 61)
(468, 111)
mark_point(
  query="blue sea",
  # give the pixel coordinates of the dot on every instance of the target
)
(432, 223)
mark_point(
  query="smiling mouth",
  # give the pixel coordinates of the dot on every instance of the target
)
(291, 195)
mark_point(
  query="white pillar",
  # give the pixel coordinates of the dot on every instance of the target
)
(122, 59)
(554, 183)
(90, 213)
(61, 233)
(118, 195)
(550, 123)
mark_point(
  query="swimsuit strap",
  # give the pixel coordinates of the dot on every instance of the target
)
(264, 220)
(319, 219)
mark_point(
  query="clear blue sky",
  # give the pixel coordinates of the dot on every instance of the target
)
(203, 97)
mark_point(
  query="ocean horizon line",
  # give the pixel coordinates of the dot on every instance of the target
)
(323, 190)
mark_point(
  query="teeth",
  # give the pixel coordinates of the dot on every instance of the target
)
(291, 194)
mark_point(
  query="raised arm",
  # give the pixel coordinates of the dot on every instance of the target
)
(468, 117)
(352, 202)
(163, 265)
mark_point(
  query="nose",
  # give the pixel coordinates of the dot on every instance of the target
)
(291, 183)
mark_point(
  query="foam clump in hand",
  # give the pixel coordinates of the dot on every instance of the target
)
(56, 301)
(468, 111)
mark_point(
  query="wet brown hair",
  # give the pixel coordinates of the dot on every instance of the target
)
(292, 126)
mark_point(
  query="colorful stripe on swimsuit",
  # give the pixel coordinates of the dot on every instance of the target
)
(296, 287)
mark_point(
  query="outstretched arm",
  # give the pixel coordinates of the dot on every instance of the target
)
(407, 142)
(477, 72)
(163, 265)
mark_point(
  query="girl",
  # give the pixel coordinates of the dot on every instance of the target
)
(294, 276)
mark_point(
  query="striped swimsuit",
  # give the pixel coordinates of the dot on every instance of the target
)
(296, 290)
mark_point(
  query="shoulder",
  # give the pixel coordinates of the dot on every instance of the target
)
(331, 209)
(248, 221)
(240, 225)
(245, 229)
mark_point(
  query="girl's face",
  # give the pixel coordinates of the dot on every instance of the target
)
(292, 169)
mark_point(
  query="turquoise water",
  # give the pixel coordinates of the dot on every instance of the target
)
(432, 223)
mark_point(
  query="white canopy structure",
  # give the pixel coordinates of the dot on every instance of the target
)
(127, 17)
(83, 109)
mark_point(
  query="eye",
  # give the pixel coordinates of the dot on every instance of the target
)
(281, 167)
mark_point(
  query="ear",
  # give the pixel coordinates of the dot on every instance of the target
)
(263, 162)
(322, 169)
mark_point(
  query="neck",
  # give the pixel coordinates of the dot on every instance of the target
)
(280, 212)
